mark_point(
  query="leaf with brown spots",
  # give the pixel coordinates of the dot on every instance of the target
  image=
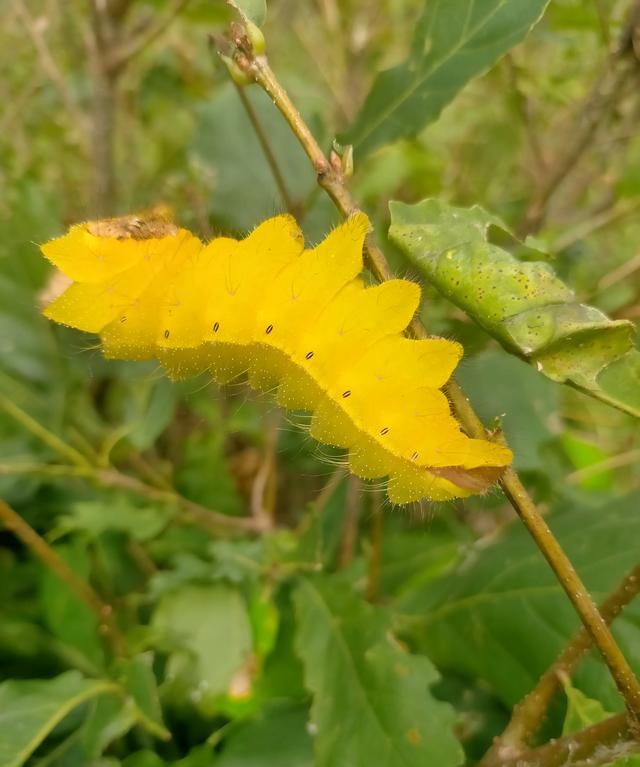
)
(372, 703)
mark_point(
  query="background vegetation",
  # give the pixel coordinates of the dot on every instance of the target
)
(192, 583)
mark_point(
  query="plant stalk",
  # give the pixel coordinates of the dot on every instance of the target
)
(54, 562)
(331, 178)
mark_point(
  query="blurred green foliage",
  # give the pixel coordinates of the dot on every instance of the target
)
(245, 650)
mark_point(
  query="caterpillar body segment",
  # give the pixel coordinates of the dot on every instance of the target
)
(302, 323)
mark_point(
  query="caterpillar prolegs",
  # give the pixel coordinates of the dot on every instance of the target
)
(301, 322)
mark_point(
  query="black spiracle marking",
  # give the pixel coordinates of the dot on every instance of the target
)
(166, 334)
(308, 355)
(414, 457)
(216, 327)
(347, 393)
(123, 318)
(269, 329)
(384, 431)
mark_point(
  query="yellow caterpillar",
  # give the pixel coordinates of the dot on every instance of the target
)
(299, 321)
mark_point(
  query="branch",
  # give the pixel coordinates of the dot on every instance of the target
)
(35, 30)
(332, 178)
(104, 110)
(38, 430)
(594, 223)
(529, 714)
(601, 744)
(349, 534)
(269, 154)
(523, 110)
(264, 489)
(109, 56)
(122, 54)
(212, 521)
(606, 93)
(52, 560)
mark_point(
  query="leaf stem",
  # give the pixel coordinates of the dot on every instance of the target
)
(52, 560)
(212, 521)
(38, 430)
(376, 530)
(208, 519)
(267, 149)
(332, 179)
(601, 744)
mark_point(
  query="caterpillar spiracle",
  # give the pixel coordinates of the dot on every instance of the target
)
(301, 322)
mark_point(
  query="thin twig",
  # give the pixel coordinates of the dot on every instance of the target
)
(620, 67)
(316, 50)
(104, 110)
(38, 430)
(109, 55)
(35, 30)
(529, 714)
(601, 744)
(123, 53)
(264, 489)
(523, 109)
(376, 527)
(52, 560)
(269, 154)
(350, 522)
(620, 273)
(594, 223)
(603, 639)
(213, 521)
(118, 9)
(328, 489)
(14, 112)
(614, 462)
(332, 179)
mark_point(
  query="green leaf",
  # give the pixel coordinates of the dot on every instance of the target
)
(278, 738)
(504, 388)
(371, 699)
(203, 473)
(144, 759)
(118, 514)
(502, 616)
(138, 679)
(200, 756)
(107, 721)
(207, 630)
(454, 41)
(417, 555)
(582, 712)
(523, 304)
(146, 405)
(588, 457)
(226, 143)
(29, 711)
(256, 10)
(155, 414)
(64, 613)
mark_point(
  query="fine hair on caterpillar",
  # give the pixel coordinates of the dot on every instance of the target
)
(301, 323)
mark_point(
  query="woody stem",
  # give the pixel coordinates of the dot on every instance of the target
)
(332, 179)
